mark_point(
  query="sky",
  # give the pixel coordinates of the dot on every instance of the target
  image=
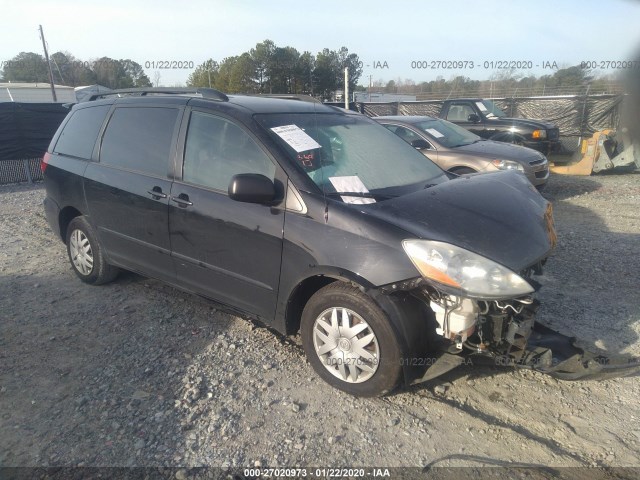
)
(394, 40)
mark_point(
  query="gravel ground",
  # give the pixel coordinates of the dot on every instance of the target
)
(136, 373)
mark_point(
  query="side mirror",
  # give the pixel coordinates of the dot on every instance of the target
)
(251, 188)
(420, 144)
(473, 117)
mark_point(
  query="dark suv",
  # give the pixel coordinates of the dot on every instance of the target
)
(486, 120)
(291, 213)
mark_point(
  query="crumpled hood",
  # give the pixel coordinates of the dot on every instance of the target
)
(490, 149)
(497, 215)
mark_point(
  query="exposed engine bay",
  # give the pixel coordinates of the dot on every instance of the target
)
(491, 326)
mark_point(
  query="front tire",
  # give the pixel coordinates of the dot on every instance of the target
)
(349, 341)
(86, 254)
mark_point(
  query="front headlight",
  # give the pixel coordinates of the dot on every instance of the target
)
(456, 267)
(539, 134)
(508, 165)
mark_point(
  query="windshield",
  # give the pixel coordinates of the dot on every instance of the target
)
(492, 110)
(348, 153)
(446, 133)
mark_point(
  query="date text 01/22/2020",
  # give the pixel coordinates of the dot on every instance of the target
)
(169, 64)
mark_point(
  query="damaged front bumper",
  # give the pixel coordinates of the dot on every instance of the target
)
(506, 337)
(561, 356)
(547, 351)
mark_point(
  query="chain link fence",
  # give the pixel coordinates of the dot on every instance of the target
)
(25, 132)
(20, 171)
(577, 116)
(491, 91)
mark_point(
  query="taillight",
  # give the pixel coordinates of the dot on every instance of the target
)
(45, 161)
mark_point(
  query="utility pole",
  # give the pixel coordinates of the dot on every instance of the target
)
(46, 56)
(346, 88)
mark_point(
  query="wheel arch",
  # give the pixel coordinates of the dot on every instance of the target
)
(305, 289)
(67, 214)
(411, 318)
(459, 167)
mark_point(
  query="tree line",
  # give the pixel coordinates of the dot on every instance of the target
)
(267, 68)
(567, 79)
(68, 70)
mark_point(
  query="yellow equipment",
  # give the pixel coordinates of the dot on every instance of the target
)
(603, 151)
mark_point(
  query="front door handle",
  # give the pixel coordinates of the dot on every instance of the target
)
(182, 200)
(156, 193)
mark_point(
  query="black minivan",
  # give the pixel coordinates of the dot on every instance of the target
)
(307, 218)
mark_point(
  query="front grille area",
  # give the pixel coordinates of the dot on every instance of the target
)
(542, 173)
(553, 134)
(538, 161)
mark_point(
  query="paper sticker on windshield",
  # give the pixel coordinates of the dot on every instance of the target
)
(351, 184)
(481, 106)
(434, 132)
(296, 138)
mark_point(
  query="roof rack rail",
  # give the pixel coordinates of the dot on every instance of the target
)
(289, 96)
(142, 92)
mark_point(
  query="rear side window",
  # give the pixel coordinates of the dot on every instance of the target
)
(139, 138)
(81, 131)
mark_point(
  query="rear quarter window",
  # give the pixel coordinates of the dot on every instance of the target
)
(140, 138)
(79, 134)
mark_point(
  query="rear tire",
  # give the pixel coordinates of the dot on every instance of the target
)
(86, 254)
(349, 341)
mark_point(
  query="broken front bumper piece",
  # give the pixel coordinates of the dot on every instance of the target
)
(546, 351)
(560, 356)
